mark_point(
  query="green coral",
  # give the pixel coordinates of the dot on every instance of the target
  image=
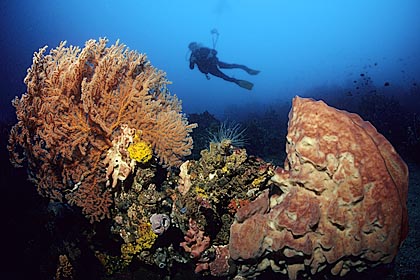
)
(140, 150)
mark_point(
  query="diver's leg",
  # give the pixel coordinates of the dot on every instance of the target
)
(242, 83)
(240, 66)
(216, 72)
(231, 65)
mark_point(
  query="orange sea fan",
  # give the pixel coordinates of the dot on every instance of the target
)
(76, 101)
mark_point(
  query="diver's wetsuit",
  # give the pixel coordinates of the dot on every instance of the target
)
(208, 63)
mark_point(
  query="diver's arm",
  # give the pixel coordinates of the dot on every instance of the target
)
(192, 61)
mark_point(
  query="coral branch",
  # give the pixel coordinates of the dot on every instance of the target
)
(195, 241)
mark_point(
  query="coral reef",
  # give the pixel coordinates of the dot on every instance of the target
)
(209, 193)
(212, 189)
(76, 105)
(339, 203)
(99, 130)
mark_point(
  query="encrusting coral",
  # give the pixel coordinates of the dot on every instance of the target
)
(75, 104)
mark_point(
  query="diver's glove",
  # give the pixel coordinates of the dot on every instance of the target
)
(207, 77)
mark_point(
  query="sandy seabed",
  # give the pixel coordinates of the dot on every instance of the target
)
(407, 262)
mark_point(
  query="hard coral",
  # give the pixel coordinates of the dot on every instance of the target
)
(340, 202)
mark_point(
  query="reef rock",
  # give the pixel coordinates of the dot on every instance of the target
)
(338, 205)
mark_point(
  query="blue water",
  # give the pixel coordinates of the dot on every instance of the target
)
(299, 46)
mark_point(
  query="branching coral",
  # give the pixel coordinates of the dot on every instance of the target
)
(75, 104)
(195, 241)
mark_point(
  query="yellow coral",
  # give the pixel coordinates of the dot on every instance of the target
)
(147, 237)
(225, 169)
(140, 150)
(201, 192)
(144, 242)
(258, 181)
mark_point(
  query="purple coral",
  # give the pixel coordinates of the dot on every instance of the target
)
(160, 223)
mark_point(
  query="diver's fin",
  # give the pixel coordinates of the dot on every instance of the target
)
(244, 84)
(253, 72)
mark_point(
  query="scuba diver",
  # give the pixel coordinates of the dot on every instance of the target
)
(208, 63)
